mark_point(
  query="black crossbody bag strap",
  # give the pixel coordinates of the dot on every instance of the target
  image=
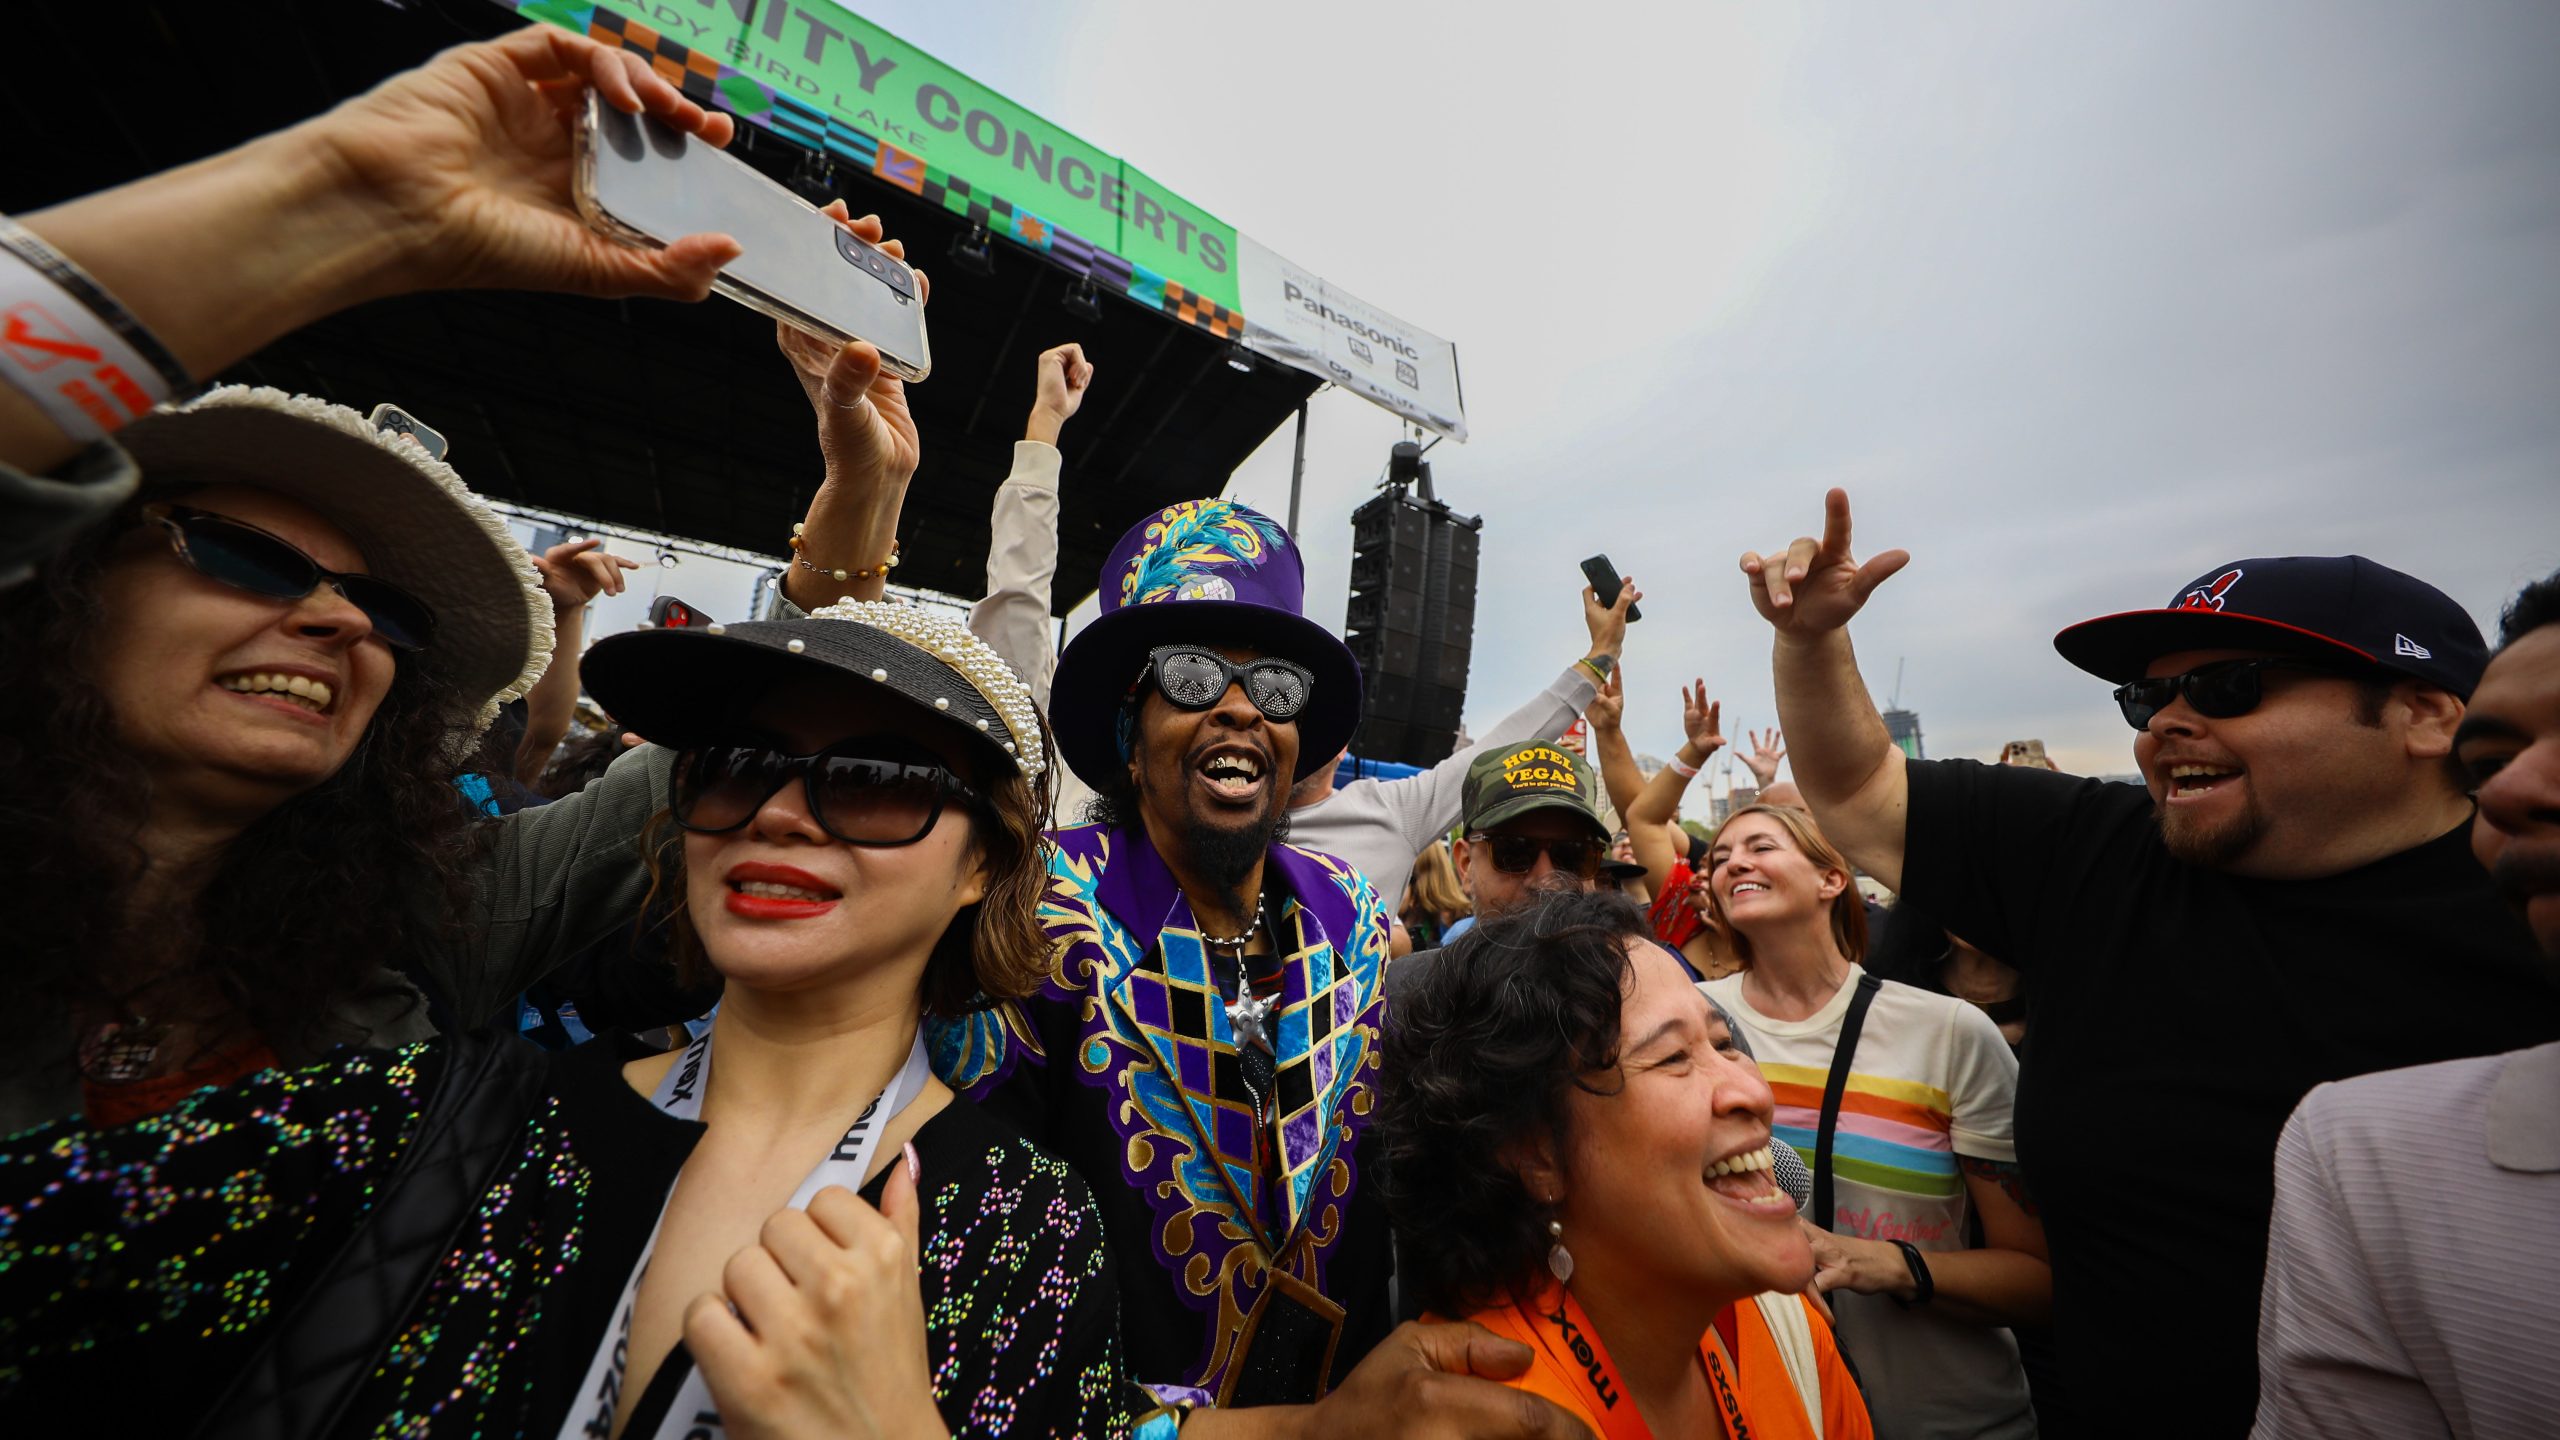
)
(1833, 1089)
(307, 1371)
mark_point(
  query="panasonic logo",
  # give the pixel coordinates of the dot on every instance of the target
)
(1359, 327)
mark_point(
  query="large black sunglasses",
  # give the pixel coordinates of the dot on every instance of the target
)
(2217, 691)
(1196, 679)
(859, 798)
(1518, 854)
(245, 557)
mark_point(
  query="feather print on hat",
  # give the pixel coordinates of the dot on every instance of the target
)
(1195, 534)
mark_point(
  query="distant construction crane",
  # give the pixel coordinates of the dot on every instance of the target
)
(1903, 725)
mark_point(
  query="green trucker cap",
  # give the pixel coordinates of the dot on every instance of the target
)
(1509, 781)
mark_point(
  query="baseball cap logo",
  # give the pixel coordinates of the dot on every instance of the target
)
(2209, 596)
(2403, 645)
(1538, 767)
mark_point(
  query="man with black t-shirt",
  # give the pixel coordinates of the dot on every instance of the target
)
(2204, 948)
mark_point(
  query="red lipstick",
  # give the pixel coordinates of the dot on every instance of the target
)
(778, 907)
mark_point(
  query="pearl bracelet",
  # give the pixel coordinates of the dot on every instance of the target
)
(882, 569)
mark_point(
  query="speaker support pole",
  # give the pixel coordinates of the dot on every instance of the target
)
(1298, 468)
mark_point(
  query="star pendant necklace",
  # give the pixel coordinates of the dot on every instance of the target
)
(1248, 1015)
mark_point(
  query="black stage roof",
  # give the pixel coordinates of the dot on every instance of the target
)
(663, 417)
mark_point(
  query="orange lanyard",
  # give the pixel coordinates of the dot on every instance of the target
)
(1565, 1333)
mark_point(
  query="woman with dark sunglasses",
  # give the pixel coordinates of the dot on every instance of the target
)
(230, 717)
(245, 642)
(791, 1223)
(226, 760)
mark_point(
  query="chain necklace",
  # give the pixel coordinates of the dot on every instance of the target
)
(1249, 1017)
(1242, 938)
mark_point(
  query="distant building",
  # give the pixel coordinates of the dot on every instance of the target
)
(1904, 727)
(1722, 809)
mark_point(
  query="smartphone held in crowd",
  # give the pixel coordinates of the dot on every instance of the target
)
(881, 1019)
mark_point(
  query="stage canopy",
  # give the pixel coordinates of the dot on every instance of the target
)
(683, 419)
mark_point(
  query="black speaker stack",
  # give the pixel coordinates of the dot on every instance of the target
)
(1412, 616)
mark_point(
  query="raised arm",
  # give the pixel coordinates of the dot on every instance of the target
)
(452, 175)
(1022, 544)
(847, 544)
(1847, 766)
(574, 572)
(1625, 783)
(1648, 816)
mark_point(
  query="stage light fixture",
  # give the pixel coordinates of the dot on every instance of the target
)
(1239, 359)
(973, 252)
(817, 173)
(1083, 301)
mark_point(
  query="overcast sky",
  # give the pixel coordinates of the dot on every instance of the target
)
(2077, 300)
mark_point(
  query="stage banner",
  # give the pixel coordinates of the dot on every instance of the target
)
(831, 80)
(1293, 316)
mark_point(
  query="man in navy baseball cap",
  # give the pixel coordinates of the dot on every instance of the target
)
(2296, 713)
(2288, 898)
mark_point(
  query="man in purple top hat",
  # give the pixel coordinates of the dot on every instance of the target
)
(1208, 1034)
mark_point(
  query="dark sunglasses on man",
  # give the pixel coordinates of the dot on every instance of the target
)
(1195, 679)
(244, 557)
(2217, 691)
(859, 798)
(1518, 854)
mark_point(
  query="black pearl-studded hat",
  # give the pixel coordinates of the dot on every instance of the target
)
(685, 687)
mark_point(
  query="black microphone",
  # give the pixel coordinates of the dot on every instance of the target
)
(1788, 1169)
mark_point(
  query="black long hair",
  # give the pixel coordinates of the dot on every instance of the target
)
(307, 904)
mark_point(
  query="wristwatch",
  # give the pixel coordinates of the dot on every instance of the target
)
(1919, 1273)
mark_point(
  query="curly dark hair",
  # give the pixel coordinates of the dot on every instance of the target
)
(307, 902)
(992, 950)
(2533, 607)
(580, 762)
(1476, 1059)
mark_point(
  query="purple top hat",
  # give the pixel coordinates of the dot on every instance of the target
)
(1205, 572)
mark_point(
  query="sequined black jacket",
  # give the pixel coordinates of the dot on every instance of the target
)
(142, 1266)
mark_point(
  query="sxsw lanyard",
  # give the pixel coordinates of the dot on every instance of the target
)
(1565, 1333)
(679, 1093)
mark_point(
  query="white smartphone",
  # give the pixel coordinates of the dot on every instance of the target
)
(394, 420)
(646, 183)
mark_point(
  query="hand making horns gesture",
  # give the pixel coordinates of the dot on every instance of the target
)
(1816, 585)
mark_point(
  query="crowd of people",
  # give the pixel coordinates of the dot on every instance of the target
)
(1091, 1060)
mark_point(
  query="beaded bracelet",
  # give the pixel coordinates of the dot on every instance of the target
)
(880, 570)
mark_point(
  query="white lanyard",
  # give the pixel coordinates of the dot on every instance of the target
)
(679, 1094)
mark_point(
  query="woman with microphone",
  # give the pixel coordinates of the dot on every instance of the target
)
(1578, 1158)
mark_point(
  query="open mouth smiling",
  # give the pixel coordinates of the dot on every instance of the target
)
(2192, 778)
(303, 692)
(760, 891)
(1234, 772)
(1744, 1179)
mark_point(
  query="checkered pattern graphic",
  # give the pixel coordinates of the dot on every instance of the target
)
(1321, 1029)
(1181, 1011)
(1183, 1016)
(707, 80)
(689, 70)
